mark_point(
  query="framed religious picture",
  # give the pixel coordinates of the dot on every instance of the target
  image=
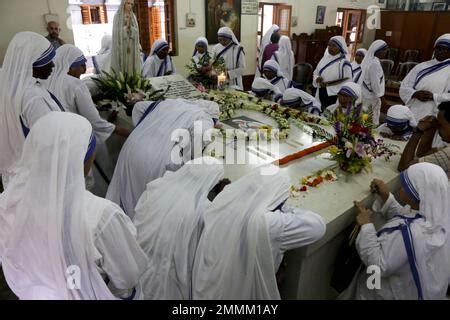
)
(222, 13)
(320, 15)
(439, 6)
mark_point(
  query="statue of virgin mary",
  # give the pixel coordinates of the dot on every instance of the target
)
(125, 55)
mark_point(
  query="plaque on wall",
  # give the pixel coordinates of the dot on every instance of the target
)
(250, 7)
(177, 87)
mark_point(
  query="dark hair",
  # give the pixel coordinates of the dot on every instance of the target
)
(275, 38)
(218, 188)
(445, 107)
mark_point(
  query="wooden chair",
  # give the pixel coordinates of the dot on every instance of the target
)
(404, 68)
(392, 54)
(411, 56)
(388, 66)
(303, 75)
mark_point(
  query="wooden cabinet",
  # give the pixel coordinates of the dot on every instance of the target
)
(310, 48)
(310, 51)
(407, 30)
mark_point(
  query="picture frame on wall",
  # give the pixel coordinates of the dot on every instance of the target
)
(320, 15)
(222, 13)
(439, 6)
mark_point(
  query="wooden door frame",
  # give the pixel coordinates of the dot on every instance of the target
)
(345, 19)
(279, 8)
(261, 6)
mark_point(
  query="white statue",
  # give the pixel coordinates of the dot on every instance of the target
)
(125, 43)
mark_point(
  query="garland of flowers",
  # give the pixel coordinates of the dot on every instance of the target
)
(230, 101)
(313, 181)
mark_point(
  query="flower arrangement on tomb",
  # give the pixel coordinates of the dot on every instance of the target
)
(313, 181)
(230, 101)
(205, 71)
(127, 89)
(354, 146)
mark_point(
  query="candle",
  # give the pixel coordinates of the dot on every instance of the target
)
(221, 78)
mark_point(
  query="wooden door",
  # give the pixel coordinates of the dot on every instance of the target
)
(351, 29)
(282, 18)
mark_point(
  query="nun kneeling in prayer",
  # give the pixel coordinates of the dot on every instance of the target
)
(57, 240)
(23, 97)
(410, 249)
(262, 88)
(169, 231)
(246, 231)
(164, 139)
(299, 99)
(400, 123)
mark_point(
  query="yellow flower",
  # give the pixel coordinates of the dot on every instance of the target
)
(334, 149)
(365, 116)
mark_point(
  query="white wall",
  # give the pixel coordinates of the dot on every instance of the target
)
(26, 15)
(305, 10)
(20, 15)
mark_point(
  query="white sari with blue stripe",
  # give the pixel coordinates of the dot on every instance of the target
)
(234, 57)
(156, 67)
(433, 76)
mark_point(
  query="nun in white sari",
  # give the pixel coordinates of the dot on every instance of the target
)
(169, 230)
(125, 56)
(232, 52)
(73, 93)
(264, 42)
(400, 123)
(102, 61)
(428, 84)
(285, 57)
(372, 79)
(348, 96)
(332, 72)
(163, 140)
(356, 64)
(410, 249)
(272, 72)
(159, 63)
(247, 230)
(201, 59)
(299, 99)
(263, 88)
(75, 96)
(57, 240)
(23, 98)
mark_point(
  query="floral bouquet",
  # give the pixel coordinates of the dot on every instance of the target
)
(127, 89)
(354, 146)
(213, 67)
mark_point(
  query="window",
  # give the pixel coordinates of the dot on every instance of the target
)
(272, 13)
(94, 14)
(161, 16)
